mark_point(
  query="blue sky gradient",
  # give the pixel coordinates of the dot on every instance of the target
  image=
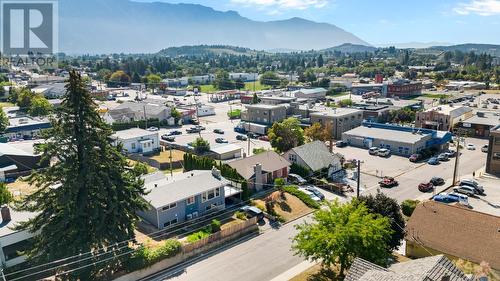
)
(382, 21)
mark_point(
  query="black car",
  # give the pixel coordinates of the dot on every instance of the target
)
(219, 131)
(437, 181)
(175, 133)
(193, 130)
(252, 135)
(252, 211)
(341, 144)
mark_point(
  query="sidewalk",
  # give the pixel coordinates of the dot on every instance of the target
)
(294, 271)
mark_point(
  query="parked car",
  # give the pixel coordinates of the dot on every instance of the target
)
(443, 157)
(193, 130)
(495, 106)
(219, 131)
(341, 144)
(425, 187)
(373, 151)
(152, 129)
(174, 133)
(315, 191)
(433, 161)
(168, 138)
(451, 153)
(296, 179)
(415, 157)
(201, 128)
(445, 198)
(471, 146)
(484, 148)
(472, 183)
(252, 135)
(310, 194)
(241, 137)
(388, 182)
(252, 211)
(465, 189)
(437, 181)
(384, 152)
(264, 138)
(221, 140)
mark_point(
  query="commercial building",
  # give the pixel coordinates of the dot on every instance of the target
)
(339, 119)
(457, 232)
(184, 197)
(493, 158)
(443, 117)
(133, 111)
(243, 76)
(398, 139)
(480, 124)
(263, 114)
(276, 100)
(404, 88)
(312, 94)
(226, 151)
(137, 140)
(51, 91)
(359, 89)
(26, 127)
(205, 110)
(260, 170)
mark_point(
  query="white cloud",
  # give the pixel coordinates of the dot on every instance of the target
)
(479, 7)
(284, 4)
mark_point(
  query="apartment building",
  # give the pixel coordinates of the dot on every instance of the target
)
(340, 119)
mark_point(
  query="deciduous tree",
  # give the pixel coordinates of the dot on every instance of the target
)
(286, 135)
(39, 106)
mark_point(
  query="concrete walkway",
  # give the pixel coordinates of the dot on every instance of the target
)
(294, 271)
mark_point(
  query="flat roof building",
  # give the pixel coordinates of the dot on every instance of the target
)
(443, 117)
(493, 158)
(340, 119)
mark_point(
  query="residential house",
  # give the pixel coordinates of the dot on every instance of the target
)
(340, 119)
(312, 94)
(183, 197)
(13, 243)
(264, 114)
(316, 157)
(133, 111)
(455, 231)
(137, 140)
(51, 91)
(493, 157)
(435, 268)
(443, 117)
(261, 169)
(15, 162)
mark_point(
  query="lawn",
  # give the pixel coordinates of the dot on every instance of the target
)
(207, 88)
(150, 169)
(249, 86)
(20, 188)
(163, 157)
(6, 104)
(316, 273)
(289, 209)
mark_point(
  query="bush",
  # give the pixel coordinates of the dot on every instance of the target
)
(215, 226)
(408, 206)
(144, 256)
(240, 215)
(302, 196)
(299, 170)
(199, 235)
(140, 169)
(235, 114)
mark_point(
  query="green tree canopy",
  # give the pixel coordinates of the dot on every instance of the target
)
(4, 121)
(201, 145)
(270, 78)
(342, 232)
(24, 97)
(387, 207)
(39, 106)
(286, 135)
(119, 78)
(222, 81)
(153, 81)
(88, 197)
(5, 195)
(318, 132)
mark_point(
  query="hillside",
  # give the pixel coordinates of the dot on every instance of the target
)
(490, 49)
(201, 50)
(97, 26)
(351, 48)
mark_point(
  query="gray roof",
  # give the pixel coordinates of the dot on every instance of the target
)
(337, 112)
(270, 161)
(311, 91)
(386, 134)
(425, 269)
(488, 119)
(150, 107)
(132, 133)
(7, 149)
(265, 106)
(119, 113)
(165, 190)
(16, 218)
(316, 155)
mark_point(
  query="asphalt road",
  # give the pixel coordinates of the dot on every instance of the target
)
(261, 258)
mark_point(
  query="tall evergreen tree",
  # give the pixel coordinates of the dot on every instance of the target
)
(88, 197)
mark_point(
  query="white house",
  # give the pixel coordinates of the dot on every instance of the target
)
(137, 140)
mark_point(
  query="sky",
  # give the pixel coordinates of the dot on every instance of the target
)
(381, 22)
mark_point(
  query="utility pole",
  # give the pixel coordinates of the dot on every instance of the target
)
(171, 170)
(145, 116)
(455, 169)
(359, 178)
(248, 150)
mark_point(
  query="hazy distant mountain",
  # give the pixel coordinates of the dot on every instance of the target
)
(414, 45)
(106, 26)
(351, 48)
(201, 50)
(490, 49)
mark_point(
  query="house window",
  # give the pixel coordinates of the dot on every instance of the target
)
(168, 207)
(174, 221)
(217, 192)
(17, 249)
(133, 146)
(210, 195)
(292, 157)
(190, 200)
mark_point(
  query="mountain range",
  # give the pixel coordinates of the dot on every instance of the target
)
(115, 26)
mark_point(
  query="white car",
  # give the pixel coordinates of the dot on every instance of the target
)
(152, 129)
(471, 146)
(384, 152)
(484, 148)
(310, 194)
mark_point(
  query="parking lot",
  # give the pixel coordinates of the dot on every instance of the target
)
(408, 174)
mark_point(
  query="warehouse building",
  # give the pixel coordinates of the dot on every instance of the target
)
(398, 139)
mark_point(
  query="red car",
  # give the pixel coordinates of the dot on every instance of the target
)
(388, 182)
(415, 157)
(264, 138)
(425, 187)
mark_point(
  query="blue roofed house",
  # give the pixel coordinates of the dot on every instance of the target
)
(183, 197)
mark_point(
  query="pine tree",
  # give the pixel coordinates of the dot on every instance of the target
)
(88, 198)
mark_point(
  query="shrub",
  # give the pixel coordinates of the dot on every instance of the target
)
(140, 169)
(199, 235)
(302, 196)
(240, 215)
(408, 206)
(144, 256)
(299, 170)
(215, 226)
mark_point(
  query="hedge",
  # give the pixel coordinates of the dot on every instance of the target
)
(144, 257)
(291, 189)
(299, 170)
(408, 206)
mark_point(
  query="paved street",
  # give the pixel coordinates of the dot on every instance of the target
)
(261, 258)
